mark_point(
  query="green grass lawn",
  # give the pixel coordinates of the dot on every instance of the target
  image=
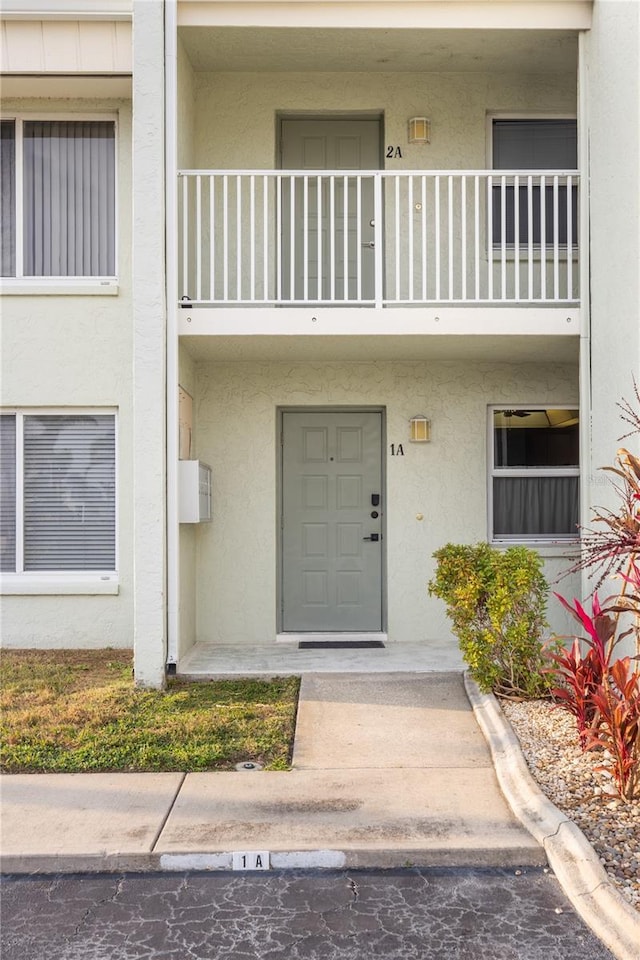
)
(77, 710)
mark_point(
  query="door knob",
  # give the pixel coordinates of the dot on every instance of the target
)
(368, 243)
(374, 536)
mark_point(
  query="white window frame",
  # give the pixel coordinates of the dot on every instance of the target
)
(85, 285)
(537, 249)
(503, 473)
(52, 582)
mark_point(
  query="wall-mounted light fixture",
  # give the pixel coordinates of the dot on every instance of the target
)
(419, 130)
(420, 429)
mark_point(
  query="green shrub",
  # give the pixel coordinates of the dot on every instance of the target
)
(496, 603)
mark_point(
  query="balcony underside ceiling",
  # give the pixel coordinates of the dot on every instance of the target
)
(240, 49)
(274, 349)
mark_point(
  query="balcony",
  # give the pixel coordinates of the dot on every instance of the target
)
(378, 239)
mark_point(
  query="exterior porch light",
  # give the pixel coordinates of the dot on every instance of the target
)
(419, 130)
(420, 429)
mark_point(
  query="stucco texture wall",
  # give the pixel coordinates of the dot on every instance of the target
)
(235, 122)
(612, 356)
(70, 351)
(445, 480)
(149, 344)
(185, 109)
(187, 531)
(613, 53)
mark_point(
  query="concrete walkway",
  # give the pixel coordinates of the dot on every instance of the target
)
(389, 770)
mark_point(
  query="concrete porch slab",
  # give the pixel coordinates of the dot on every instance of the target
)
(285, 659)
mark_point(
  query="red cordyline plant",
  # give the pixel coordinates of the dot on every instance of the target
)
(602, 693)
(617, 702)
(612, 544)
(582, 667)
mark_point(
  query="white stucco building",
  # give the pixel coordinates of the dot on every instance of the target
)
(266, 237)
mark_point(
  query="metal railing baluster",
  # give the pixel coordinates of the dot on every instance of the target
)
(240, 247)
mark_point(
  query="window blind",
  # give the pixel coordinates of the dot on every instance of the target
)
(69, 493)
(8, 198)
(535, 144)
(69, 198)
(7, 492)
(535, 506)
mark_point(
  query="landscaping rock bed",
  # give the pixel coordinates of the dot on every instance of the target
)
(566, 775)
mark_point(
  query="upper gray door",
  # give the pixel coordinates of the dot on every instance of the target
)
(343, 271)
(331, 526)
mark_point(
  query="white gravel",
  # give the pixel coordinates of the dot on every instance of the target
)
(549, 741)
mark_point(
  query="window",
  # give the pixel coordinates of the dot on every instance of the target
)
(534, 474)
(58, 198)
(57, 492)
(8, 198)
(548, 210)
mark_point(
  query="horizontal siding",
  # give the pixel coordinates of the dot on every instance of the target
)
(66, 47)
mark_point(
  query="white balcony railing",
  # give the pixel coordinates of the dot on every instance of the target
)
(377, 238)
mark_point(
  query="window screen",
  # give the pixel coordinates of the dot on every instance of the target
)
(535, 145)
(535, 474)
(65, 503)
(68, 198)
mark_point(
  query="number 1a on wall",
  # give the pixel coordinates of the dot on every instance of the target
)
(397, 450)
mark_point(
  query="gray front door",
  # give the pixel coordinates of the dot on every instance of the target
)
(331, 521)
(345, 268)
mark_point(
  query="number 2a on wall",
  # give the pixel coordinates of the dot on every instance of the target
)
(393, 153)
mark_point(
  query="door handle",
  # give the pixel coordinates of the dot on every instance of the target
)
(368, 243)
(374, 536)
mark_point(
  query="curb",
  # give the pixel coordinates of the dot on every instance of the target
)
(354, 858)
(571, 856)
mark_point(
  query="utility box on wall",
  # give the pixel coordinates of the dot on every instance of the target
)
(194, 485)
